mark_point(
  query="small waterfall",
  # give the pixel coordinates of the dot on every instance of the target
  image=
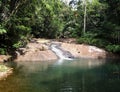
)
(63, 55)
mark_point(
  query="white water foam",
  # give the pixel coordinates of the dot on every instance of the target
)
(59, 52)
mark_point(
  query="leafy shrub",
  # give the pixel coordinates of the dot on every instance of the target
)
(99, 42)
(17, 45)
(23, 29)
(84, 40)
(2, 30)
(2, 51)
(113, 48)
(93, 41)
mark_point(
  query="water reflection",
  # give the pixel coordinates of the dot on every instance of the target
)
(84, 75)
(32, 67)
(81, 63)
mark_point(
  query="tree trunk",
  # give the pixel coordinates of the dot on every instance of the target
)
(84, 30)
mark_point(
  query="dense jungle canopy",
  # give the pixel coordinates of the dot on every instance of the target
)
(95, 22)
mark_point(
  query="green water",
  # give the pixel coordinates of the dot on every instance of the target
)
(83, 75)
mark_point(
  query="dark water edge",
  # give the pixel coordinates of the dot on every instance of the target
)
(83, 75)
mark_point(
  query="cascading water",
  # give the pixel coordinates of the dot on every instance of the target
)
(63, 55)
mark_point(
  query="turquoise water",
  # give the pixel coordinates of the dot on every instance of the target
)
(84, 75)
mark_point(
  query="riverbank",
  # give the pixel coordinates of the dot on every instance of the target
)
(40, 50)
(4, 70)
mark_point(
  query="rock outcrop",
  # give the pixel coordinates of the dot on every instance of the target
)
(39, 50)
(4, 58)
(35, 52)
(85, 51)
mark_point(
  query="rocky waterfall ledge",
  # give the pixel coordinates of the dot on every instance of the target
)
(40, 50)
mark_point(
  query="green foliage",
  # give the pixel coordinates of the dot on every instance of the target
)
(17, 21)
(49, 19)
(22, 19)
(2, 51)
(23, 29)
(113, 48)
(93, 41)
(2, 30)
(17, 45)
(103, 26)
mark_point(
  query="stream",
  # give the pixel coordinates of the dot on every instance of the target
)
(66, 74)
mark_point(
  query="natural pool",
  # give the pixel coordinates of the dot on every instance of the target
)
(84, 75)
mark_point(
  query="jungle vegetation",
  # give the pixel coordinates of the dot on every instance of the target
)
(95, 22)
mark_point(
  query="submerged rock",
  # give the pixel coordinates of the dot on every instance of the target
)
(5, 72)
